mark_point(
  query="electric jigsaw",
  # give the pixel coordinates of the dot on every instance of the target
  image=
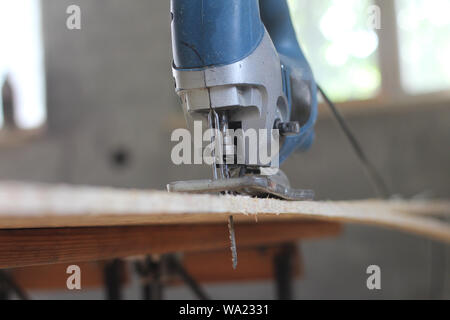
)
(238, 68)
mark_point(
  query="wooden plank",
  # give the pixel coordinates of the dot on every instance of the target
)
(40, 206)
(54, 277)
(27, 247)
(255, 264)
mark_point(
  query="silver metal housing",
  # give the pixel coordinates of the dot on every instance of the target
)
(250, 90)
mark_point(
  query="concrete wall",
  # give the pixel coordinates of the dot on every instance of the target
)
(111, 111)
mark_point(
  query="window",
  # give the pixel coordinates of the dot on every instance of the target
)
(340, 47)
(21, 62)
(345, 51)
(424, 44)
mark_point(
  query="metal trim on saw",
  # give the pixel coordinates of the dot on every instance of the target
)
(250, 185)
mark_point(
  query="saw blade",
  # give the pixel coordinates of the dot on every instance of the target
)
(234, 257)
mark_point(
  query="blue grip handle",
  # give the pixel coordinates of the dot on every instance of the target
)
(276, 17)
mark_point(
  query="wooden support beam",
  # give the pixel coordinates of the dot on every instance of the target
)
(255, 264)
(54, 277)
(27, 247)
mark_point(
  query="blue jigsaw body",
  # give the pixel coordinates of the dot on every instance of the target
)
(211, 33)
(237, 65)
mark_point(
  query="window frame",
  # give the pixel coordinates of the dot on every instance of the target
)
(391, 91)
(22, 135)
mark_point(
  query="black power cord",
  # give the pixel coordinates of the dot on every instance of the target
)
(374, 176)
(438, 262)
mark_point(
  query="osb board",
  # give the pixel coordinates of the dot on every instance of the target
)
(41, 206)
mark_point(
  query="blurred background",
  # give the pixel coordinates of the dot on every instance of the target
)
(97, 106)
